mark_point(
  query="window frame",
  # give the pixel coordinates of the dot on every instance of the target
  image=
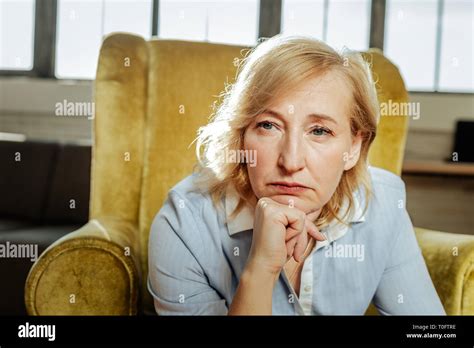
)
(46, 21)
(438, 46)
(44, 42)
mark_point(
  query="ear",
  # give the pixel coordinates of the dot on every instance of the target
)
(353, 156)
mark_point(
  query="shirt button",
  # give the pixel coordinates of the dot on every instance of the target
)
(307, 288)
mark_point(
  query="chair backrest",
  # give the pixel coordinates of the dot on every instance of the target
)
(184, 80)
(388, 148)
(150, 100)
(118, 152)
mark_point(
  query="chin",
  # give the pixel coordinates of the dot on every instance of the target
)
(298, 202)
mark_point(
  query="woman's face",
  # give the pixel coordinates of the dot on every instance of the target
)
(303, 144)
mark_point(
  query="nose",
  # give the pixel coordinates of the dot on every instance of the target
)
(292, 158)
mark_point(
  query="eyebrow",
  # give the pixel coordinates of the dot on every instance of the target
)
(313, 116)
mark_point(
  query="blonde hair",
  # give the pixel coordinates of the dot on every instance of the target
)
(270, 69)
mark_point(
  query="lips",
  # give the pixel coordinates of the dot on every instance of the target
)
(288, 187)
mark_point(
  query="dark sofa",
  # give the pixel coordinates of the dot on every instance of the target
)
(44, 194)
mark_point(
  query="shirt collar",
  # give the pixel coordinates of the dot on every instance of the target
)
(243, 221)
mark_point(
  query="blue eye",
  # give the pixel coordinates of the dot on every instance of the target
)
(320, 131)
(265, 125)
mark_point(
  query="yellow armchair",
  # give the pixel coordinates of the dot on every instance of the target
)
(151, 97)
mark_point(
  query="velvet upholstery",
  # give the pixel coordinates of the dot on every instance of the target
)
(87, 272)
(150, 99)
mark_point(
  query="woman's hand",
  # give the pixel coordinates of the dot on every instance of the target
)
(280, 232)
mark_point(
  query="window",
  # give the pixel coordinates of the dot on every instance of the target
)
(223, 21)
(410, 40)
(430, 40)
(456, 62)
(338, 22)
(303, 17)
(349, 24)
(17, 25)
(82, 24)
(432, 43)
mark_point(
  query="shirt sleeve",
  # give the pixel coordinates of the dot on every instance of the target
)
(176, 279)
(406, 287)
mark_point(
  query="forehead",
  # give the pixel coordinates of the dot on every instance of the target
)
(328, 94)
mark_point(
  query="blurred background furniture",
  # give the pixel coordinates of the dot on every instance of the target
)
(430, 175)
(147, 114)
(45, 195)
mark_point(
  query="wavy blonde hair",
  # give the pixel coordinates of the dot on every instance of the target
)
(270, 69)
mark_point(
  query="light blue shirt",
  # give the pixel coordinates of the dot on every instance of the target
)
(197, 255)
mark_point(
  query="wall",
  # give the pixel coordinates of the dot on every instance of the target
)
(28, 105)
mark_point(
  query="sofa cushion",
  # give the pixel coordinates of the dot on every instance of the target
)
(68, 200)
(13, 224)
(26, 172)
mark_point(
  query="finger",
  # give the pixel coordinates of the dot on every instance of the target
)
(295, 220)
(312, 216)
(290, 247)
(300, 247)
(313, 231)
(291, 233)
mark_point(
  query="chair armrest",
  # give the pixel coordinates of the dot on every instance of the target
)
(450, 261)
(91, 271)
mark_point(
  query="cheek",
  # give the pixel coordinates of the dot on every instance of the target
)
(266, 154)
(328, 159)
(259, 174)
(264, 163)
(326, 168)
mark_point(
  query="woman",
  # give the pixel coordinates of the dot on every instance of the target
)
(284, 214)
